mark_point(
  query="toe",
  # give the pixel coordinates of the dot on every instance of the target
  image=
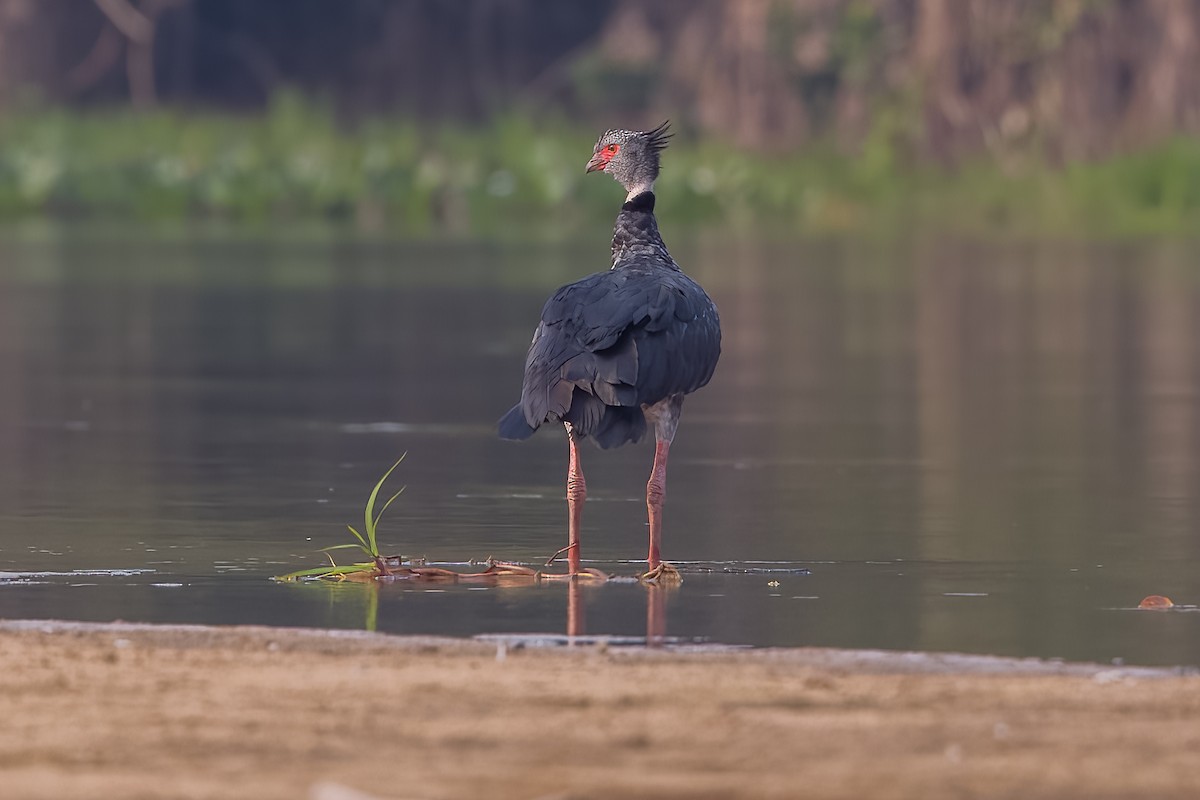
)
(663, 575)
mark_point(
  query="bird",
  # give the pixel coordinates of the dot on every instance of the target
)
(616, 352)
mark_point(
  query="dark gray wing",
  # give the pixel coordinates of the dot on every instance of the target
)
(610, 343)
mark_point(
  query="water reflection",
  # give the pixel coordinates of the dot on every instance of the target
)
(573, 629)
(656, 611)
(972, 446)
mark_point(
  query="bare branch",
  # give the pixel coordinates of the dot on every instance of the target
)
(128, 20)
(98, 62)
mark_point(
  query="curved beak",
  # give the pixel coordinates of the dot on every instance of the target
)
(597, 162)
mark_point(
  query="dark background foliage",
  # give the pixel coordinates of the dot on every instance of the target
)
(1069, 78)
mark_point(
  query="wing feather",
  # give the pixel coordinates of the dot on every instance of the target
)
(613, 342)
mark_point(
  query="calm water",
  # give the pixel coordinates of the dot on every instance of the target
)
(975, 448)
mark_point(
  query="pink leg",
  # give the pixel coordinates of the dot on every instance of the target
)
(656, 491)
(576, 494)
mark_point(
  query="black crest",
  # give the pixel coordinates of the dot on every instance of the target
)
(658, 138)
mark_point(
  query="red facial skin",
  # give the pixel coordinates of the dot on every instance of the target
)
(600, 160)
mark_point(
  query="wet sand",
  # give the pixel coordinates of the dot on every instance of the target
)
(138, 711)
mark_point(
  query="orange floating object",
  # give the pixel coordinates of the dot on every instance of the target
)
(1156, 601)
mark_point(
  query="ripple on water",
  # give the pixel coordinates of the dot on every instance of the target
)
(47, 576)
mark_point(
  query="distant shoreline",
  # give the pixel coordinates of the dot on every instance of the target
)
(295, 164)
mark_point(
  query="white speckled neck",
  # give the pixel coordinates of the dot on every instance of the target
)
(636, 190)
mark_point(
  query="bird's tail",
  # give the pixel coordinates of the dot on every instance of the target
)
(513, 425)
(620, 425)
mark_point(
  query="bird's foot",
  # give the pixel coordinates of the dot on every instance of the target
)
(662, 575)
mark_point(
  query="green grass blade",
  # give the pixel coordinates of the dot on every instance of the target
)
(360, 538)
(379, 516)
(351, 545)
(368, 544)
(325, 572)
(369, 516)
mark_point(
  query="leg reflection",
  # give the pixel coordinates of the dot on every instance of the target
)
(656, 615)
(576, 611)
(656, 610)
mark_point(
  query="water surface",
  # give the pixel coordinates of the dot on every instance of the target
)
(947, 446)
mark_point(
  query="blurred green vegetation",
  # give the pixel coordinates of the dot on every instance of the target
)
(520, 178)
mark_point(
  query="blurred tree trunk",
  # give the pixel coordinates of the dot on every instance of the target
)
(935, 70)
(22, 62)
(1167, 98)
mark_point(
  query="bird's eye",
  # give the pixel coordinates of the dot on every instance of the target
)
(611, 149)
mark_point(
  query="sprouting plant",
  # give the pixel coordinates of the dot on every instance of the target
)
(368, 543)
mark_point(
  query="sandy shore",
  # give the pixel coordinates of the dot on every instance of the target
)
(136, 711)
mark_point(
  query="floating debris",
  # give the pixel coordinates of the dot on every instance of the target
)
(1156, 601)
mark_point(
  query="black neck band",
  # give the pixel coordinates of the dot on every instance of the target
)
(640, 202)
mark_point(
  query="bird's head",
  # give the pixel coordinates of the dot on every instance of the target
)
(631, 157)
